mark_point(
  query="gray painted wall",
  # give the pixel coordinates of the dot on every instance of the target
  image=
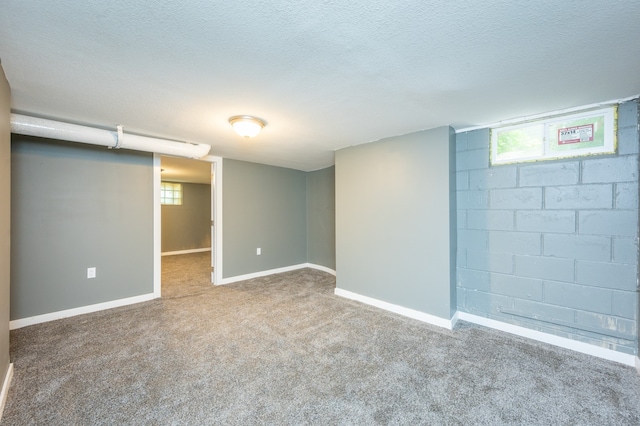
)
(263, 206)
(76, 206)
(393, 220)
(5, 221)
(552, 245)
(321, 218)
(188, 226)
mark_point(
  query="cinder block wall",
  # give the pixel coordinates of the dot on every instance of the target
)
(552, 245)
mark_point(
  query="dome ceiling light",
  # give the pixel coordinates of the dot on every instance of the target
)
(246, 125)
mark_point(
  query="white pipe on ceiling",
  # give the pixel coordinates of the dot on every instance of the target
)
(32, 126)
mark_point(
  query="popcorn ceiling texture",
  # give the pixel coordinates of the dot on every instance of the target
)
(324, 74)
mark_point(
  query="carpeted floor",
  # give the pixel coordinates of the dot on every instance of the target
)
(284, 350)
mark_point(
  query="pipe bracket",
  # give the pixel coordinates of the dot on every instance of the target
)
(119, 138)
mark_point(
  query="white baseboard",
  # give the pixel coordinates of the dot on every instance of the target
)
(173, 253)
(38, 319)
(237, 278)
(454, 319)
(321, 268)
(5, 388)
(638, 363)
(551, 339)
(420, 316)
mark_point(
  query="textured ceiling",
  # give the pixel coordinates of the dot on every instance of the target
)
(323, 74)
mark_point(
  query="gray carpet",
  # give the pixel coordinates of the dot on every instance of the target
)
(284, 350)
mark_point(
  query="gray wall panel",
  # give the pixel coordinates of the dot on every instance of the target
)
(188, 226)
(77, 206)
(263, 206)
(321, 218)
(5, 221)
(393, 216)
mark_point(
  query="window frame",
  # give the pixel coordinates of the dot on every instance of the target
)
(176, 188)
(610, 115)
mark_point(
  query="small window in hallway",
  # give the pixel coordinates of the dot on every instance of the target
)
(171, 193)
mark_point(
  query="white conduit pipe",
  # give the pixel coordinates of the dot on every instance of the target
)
(32, 126)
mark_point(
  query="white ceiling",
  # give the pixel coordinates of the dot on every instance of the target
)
(175, 169)
(323, 74)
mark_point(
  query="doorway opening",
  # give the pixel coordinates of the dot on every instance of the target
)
(187, 204)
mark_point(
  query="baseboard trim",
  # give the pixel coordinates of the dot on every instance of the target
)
(321, 268)
(173, 253)
(245, 277)
(401, 310)
(5, 388)
(454, 319)
(551, 339)
(638, 364)
(38, 319)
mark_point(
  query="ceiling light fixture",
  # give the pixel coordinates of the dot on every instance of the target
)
(246, 125)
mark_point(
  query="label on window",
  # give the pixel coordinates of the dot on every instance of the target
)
(575, 134)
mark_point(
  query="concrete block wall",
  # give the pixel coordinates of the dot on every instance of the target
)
(552, 245)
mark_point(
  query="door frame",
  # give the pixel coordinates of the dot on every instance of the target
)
(216, 217)
(216, 213)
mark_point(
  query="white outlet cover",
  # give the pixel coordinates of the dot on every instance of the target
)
(258, 251)
(91, 272)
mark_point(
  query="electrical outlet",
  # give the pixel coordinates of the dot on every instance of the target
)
(91, 272)
(258, 251)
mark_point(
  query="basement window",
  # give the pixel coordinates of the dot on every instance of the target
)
(585, 133)
(171, 193)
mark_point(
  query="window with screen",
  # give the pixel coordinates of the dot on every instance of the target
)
(585, 133)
